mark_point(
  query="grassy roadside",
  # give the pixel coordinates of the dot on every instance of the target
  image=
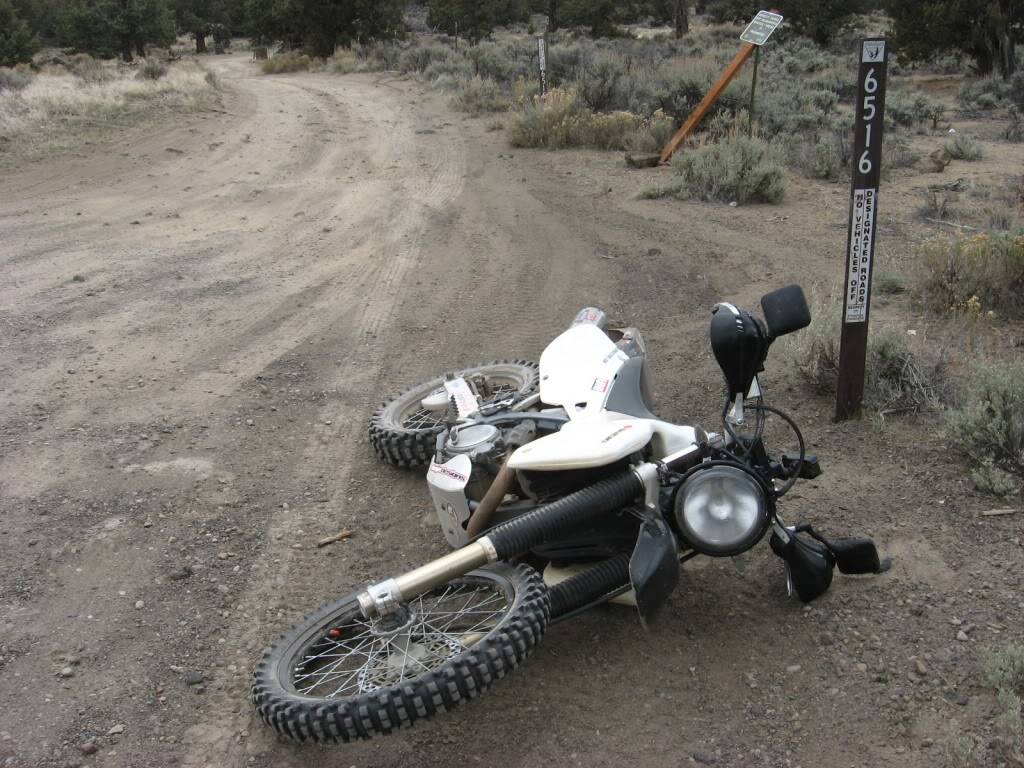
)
(66, 105)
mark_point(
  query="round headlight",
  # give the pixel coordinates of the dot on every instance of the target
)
(721, 510)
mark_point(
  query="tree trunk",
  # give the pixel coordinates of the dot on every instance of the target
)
(682, 18)
(1007, 55)
(200, 42)
(140, 48)
(127, 29)
(552, 15)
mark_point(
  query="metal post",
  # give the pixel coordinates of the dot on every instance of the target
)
(860, 243)
(753, 88)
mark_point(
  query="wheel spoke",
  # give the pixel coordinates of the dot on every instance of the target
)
(365, 656)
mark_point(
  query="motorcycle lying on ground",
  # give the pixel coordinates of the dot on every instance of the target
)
(559, 490)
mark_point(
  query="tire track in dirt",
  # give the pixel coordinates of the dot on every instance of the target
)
(359, 258)
(390, 253)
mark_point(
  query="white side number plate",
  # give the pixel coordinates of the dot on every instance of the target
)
(465, 400)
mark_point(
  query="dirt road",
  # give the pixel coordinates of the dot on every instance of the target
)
(196, 322)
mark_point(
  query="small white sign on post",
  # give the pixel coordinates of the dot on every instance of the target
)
(760, 29)
(543, 61)
(862, 239)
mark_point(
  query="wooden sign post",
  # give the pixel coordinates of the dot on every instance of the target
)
(542, 61)
(860, 243)
(754, 36)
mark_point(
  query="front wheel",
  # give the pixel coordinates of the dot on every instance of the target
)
(336, 676)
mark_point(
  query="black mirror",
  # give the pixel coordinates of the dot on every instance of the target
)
(740, 344)
(856, 556)
(785, 310)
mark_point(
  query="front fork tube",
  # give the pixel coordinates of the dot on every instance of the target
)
(387, 596)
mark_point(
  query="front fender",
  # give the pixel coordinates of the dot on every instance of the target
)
(653, 567)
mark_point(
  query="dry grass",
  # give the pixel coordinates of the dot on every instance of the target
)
(983, 274)
(287, 62)
(897, 380)
(59, 108)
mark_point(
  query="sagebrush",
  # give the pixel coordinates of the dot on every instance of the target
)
(286, 62)
(897, 381)
(738, 169)
(560, 121)
(974, 275)
(989, 430)
(963, 146)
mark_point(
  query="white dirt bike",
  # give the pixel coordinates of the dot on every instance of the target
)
(558, 489)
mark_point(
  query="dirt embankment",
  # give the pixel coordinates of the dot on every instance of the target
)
(197, 321)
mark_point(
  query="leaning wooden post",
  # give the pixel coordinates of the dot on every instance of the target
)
(706, 103)
(754, 36)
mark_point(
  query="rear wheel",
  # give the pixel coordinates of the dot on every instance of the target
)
(337, 677)
(403, 432)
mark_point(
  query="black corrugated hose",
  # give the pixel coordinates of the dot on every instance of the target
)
(589, 585)
(517, 537)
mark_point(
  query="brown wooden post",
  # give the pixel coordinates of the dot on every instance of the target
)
(863, 223)
(709, 99)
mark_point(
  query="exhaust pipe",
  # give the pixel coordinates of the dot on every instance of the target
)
(508, 540)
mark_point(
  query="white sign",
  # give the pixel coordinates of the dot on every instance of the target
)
(760, 29)
(465, 400)
(543, 60)
(861, 244)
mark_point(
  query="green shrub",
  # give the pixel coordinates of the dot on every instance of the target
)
(897, 153)
(817, 156)
(896, 381)
(1009, 724)
(1015, 128)
(452, 69)
(491, 61)
(15, 78)
(286, 62)
(598, 86)
(738, 169)
(379, 56)
(984, 94)
(560, 121)
(652, 134)
(888, 283)
(962, 146)
(566, 63)
(983, 273)
(1015, 89)
(152, 69)
(989, 430)
(960, 749)
(478, 95)
(84, 66)
(1004, 669)
(418, 58)
(912, 110)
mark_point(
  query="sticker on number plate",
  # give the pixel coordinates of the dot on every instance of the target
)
(465, 401)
